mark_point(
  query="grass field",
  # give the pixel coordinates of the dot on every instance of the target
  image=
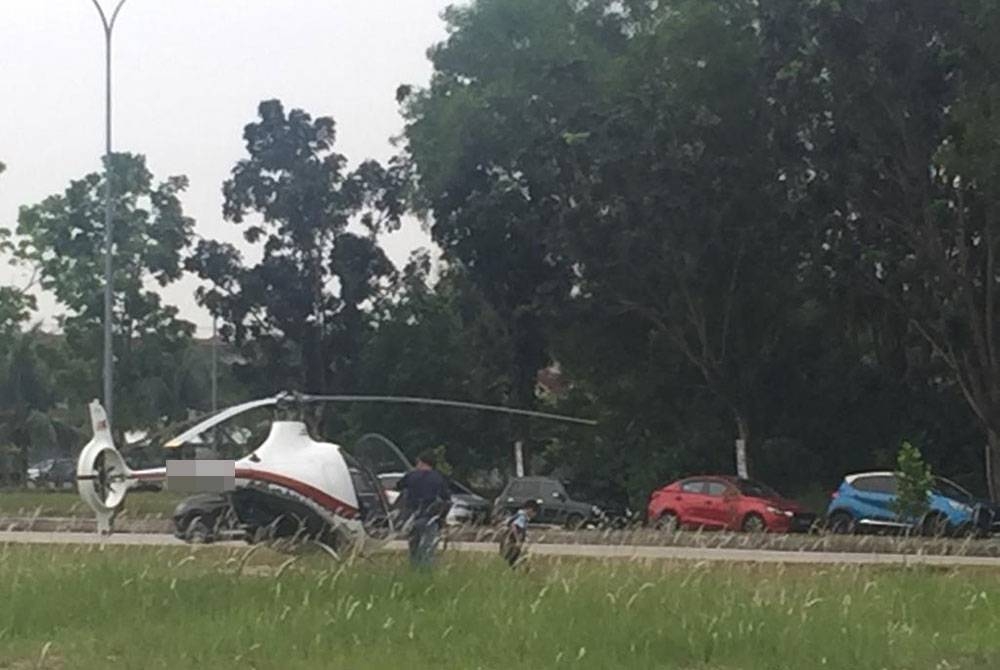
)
(125, 607)
(138, 504)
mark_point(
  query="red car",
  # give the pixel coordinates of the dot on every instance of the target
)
(727, 503)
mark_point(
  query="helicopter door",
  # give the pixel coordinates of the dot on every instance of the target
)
(372, 505)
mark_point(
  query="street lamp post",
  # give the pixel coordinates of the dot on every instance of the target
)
(108, 208)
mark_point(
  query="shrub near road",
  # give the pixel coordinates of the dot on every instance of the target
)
(169, 608)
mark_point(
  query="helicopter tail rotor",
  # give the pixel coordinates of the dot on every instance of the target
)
(103, 477)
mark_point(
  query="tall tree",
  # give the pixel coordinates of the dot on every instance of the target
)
(896, 103)
(62, 239)
(436, 341)
(300, 315)
(614, 155)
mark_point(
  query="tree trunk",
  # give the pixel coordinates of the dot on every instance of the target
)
(992, 461)
(743, 437)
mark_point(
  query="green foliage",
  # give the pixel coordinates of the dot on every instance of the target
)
(441, 342)
(62, 239)
(441, 453)
(15, 309)
(914, 480)
(294, 330)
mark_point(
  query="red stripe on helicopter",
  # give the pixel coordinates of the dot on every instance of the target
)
(329, 502)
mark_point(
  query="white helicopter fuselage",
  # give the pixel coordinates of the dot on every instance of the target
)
(290, 464)
(290, 480)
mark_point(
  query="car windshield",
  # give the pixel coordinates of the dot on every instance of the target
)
(457, 489)
(753, 489)
(950, 489)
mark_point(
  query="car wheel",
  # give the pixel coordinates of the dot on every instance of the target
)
(934, 525)
(667, 522)
(575, 522)
(753, 523)
(840, 523)
(198, 532)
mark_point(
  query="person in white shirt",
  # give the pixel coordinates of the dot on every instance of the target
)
(513, 540)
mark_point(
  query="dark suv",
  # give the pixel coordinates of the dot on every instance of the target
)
(555, 505)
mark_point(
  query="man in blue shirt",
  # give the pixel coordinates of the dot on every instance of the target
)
(426, 499)
(512, 542)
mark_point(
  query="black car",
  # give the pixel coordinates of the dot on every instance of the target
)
(54, 473)
(555, 505)
(204, 518)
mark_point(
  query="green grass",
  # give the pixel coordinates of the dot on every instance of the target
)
(126, 607)
(138, 504)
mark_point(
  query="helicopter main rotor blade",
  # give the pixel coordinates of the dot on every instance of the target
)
(236, 410)
(446, 403)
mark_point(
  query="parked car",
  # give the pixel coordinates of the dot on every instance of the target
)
(865, 501)
(727, 503)
(616, 512)
(555, 505)
(467, 507)
(204, 518)
(53, 473)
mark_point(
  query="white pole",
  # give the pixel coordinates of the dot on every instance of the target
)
(519, 458)
(741, 458)
(108, 211)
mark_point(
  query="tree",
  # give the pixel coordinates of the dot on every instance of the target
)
(435, 341)
(895, 103)
(300, 315)
(914, 483)
(62, 240)
(29, 415)
(15, 308)
(614, 159)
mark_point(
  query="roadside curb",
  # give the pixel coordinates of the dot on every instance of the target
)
(641, 540)
(51, 524)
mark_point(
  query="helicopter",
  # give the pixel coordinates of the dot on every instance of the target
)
(291, 488)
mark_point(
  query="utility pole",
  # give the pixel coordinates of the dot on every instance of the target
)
(108, 210)
(215, 382)
(215, 364)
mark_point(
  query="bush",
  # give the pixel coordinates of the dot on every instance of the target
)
(914, 478)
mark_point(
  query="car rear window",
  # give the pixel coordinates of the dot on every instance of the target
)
(876, 484)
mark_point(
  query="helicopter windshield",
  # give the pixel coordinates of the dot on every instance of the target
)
(380, 455)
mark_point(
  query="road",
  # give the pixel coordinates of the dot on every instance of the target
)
(581, 550)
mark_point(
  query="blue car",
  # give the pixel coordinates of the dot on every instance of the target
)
(864, 501)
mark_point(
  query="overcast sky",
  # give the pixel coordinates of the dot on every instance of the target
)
(188, 75)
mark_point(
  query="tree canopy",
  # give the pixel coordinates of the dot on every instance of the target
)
(698, 222)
